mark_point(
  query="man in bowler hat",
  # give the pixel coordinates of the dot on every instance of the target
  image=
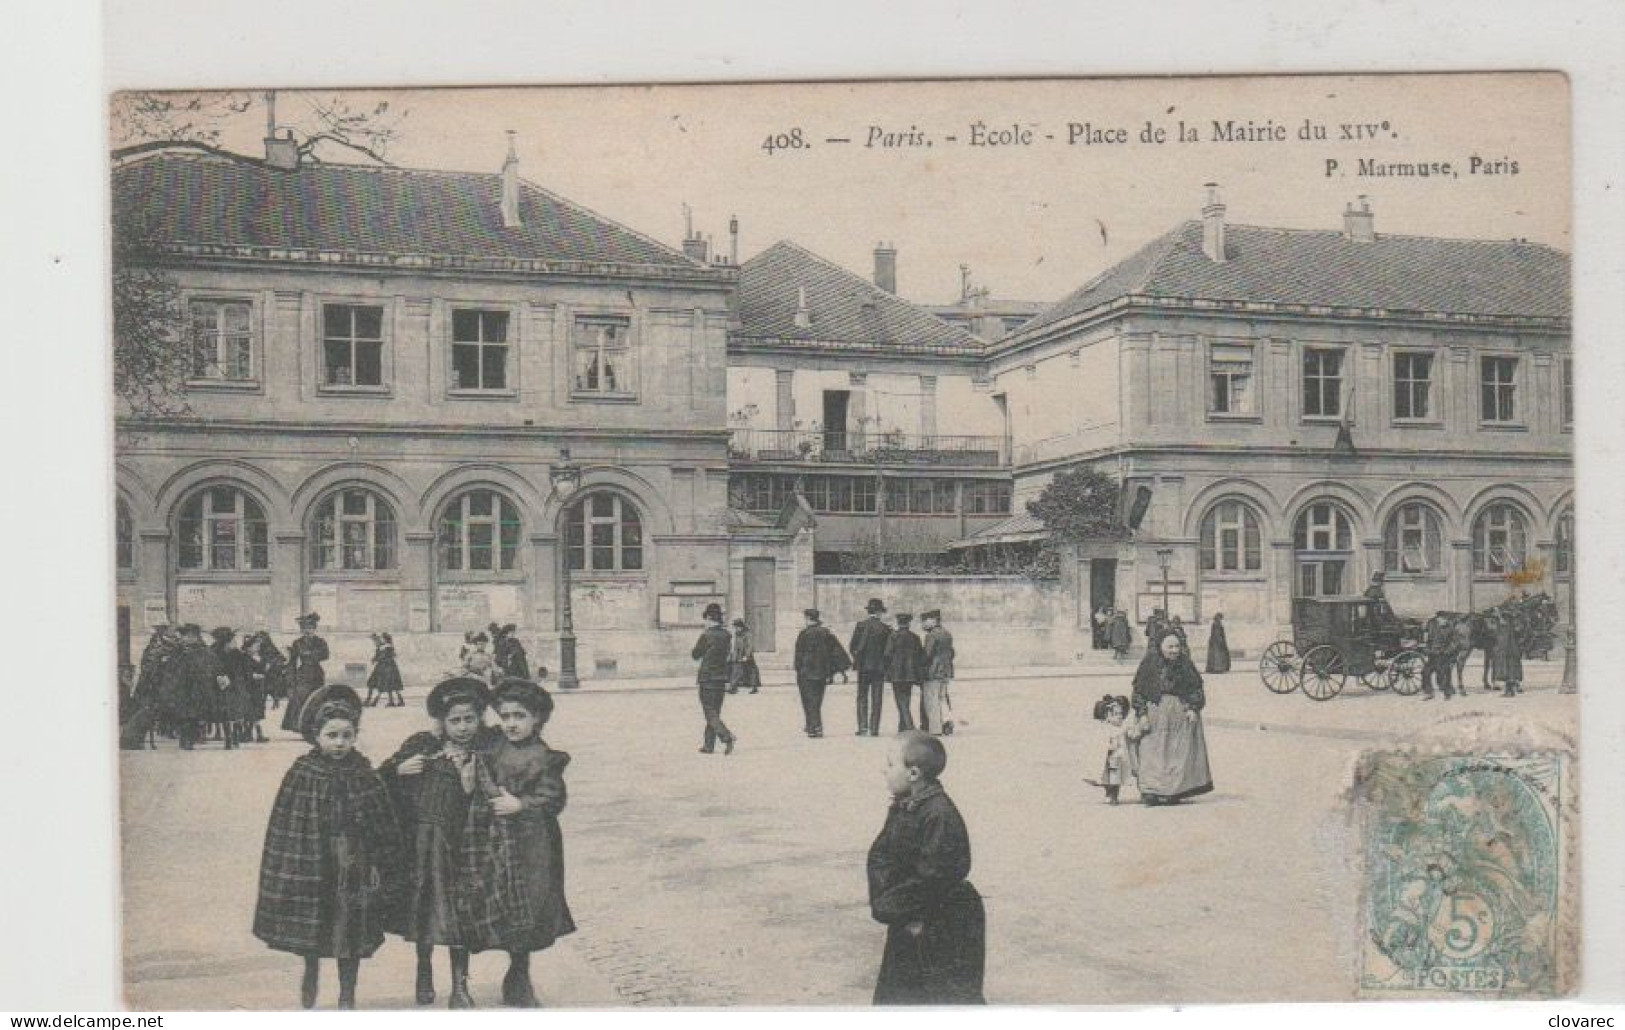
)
(905, 668)
(868, 650)
(819, 656)
(711, 651)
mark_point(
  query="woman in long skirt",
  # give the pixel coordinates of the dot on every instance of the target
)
(1168, 699)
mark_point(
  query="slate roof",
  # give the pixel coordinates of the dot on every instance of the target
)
(846, 309)
(1396, 274)
(210, 198)
(1018, 528)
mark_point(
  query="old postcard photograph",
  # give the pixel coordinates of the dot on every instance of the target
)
(1019, 542)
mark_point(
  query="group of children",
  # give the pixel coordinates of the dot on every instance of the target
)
(454, 841)
(196, 691)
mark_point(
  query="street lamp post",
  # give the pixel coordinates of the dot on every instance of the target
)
(1570, 684)
(566, 476)
(1163, 555)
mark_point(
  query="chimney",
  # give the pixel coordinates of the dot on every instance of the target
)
(282, 152)
(886, 266)
(733, 239)
(1213, 224)
(1359, 225)
(510, 186)
(695, 246)
(803, 315)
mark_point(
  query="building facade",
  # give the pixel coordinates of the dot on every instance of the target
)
(1290, 412)
(387, 368)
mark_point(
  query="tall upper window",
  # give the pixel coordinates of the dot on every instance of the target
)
(1322, 383)
(1568, 392)
(123, 537)
(1500, 539)
(479, 349)
(354, 531)
(222, 340)
(1230, 379)
(479, 532)
(1498, 389)
(1230, 539)
(1413, 386)
(602, 356)
(1322, 527)
(604, 534)
(1412, 540)
(353, 345)
(222, 529)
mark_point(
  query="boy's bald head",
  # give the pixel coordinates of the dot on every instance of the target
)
(923, 752)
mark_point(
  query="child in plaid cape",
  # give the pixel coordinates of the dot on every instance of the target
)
(333, 859)
(511, 888)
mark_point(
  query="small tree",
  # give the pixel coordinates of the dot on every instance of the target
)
(1081, 504)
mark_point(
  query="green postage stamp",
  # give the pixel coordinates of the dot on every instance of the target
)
(1465, 874)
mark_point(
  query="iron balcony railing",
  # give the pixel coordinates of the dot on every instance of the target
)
(865, 448)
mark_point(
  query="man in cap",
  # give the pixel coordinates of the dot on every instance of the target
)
(936, 710)
(819, 656)
(711, 651)
(868, 650)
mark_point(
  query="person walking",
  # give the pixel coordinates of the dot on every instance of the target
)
(742, 670)
(1218, 646)
(819, 658)
(868, 651)
(1168, 699)
(711, 651)
(905, 668)
(937, 712)
(385, 680)
(305, 674)
(1122, 634)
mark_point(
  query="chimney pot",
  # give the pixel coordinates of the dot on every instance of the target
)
(1359, 224)
(510, 186)
(1213, 224)
(886, 266)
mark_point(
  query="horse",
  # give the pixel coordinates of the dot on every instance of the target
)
(1447, 641)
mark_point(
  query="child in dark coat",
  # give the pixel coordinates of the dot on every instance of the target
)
(511, 895)
(432, 778)
(332, 862)
(936, 930)
(385, 680)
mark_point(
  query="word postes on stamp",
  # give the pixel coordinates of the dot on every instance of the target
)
(1464, 858)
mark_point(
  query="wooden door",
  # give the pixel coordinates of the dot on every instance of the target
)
(760, 607)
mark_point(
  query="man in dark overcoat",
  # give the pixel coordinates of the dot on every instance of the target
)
(936, 707)
(197, 681)
(305, 674)
(905, 668)
(1218, 646)
(819, 657)
(1508, 659)
(868, 651)
(711, 651)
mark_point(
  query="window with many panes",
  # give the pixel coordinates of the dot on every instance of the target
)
(920, 496)
(1230, 379)
(601, 355)
(1498, 389)
(222, 529)
(1413, 386)
(604, 534)
(1322, 383)
(353, 531)
(760, 491)
(479, 350)
(222, 340)
(123, 537)
(983, 498)
(1412, 540)
(1500, 539)
(352, 345)
(479, 532)
(1322, 527)
(840, 495)
(1568, 393)
(1231, 541)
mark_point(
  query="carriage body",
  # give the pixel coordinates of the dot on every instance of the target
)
(1337, 637)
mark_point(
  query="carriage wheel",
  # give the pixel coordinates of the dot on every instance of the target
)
(1324, 672)
(1406, 671)
(1374, 678)
(1278, 668)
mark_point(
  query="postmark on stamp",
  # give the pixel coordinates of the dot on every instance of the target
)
(1464, 866)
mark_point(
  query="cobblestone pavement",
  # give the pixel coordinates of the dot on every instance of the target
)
(738, 880)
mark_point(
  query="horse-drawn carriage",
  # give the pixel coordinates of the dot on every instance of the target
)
(1335, 638)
